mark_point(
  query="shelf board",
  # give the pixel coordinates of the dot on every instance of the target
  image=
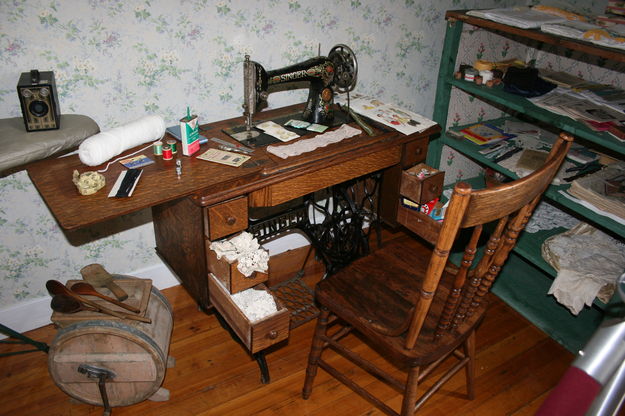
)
(517, 103)
(470, 149)
(537, 35)
(529, 247)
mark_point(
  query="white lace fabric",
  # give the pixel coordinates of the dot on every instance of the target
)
(255, 304)
(308, 145)
(245, 250)
(588, 262)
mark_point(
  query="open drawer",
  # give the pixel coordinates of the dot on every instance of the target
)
(228, 273)
(421, 224)
(258, 335)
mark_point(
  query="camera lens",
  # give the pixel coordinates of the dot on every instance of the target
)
(38, 108)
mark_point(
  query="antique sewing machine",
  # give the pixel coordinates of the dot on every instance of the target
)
(324, 75)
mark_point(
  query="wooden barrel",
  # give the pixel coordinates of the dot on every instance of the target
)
(135, 352)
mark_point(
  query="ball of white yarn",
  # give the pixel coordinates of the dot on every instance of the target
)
(105, 145)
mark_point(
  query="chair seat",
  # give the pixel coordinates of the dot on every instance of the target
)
(373, 302)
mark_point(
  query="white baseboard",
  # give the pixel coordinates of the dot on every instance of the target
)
(27, 315)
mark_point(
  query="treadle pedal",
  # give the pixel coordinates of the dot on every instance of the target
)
(298, 298)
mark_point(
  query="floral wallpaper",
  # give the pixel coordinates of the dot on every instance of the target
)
(116, 61)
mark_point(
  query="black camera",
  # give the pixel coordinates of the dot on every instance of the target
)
(39, 100)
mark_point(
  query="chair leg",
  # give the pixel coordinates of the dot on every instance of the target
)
(469, 351)
(410, 393)
(315, 351)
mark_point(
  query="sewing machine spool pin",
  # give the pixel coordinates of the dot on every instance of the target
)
(250, 99)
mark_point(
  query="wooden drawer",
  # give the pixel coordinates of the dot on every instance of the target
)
(228, 274)
(324, 177)
(226, 218)
(414, 152)
(256, 336)
(421, 190)
(419, 223)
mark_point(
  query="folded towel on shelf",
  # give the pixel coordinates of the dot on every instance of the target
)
(588, 262)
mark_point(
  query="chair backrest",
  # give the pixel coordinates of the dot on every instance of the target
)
(509, 207)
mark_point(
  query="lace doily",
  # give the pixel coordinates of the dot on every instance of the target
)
(548, 217)
(308, 145)
(255, 304)
(245, 250)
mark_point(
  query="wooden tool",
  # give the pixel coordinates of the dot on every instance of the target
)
(57, 288)
(67, 304)
(98, 277)
(85, 289)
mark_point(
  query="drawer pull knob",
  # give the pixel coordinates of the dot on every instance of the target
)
(231, 220)
(273, 334)
(418, 151)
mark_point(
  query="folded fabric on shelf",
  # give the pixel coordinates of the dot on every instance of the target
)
(588, 262)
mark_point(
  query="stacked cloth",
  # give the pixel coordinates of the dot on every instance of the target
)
(588, 262)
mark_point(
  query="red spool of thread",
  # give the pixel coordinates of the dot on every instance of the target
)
(167, 152)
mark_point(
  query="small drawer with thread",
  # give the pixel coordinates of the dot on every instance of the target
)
(422, 183)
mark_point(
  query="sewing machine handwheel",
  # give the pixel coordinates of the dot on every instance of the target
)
(345, 67)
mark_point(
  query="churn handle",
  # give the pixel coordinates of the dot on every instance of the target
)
(102, 374)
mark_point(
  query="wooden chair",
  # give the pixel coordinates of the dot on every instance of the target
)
(414, 308)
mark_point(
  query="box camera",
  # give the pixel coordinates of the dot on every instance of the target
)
(39, 100)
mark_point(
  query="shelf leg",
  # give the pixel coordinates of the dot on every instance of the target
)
(443, 92)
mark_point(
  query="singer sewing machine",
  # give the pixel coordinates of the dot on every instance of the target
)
(325, 75)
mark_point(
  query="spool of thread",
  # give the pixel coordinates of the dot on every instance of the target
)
(167, 153)
(174, 146)
(105, 145)
(469, 75)
(158, 148)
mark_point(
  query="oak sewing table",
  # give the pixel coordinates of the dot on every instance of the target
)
(210, 201)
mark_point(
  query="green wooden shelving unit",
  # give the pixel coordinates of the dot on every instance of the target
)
(526, 278)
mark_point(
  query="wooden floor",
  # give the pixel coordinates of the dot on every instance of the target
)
(517, 366)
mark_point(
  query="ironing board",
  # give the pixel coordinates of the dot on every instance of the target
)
(20, 147)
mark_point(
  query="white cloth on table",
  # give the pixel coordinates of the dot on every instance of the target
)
(308, 145)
